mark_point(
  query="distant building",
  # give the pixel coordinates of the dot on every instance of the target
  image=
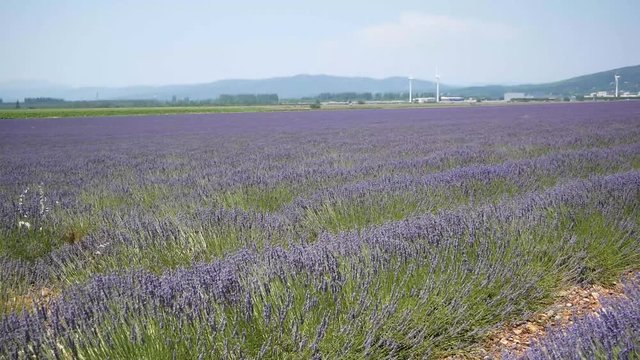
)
(423, 100)
(607, 95)
(510, 96)
(451, 98)
(628, 94)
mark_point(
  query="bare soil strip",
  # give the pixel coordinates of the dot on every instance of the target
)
(516, 337)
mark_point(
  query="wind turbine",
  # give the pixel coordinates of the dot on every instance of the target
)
(437, 86)
(617, 77)
(410, 89)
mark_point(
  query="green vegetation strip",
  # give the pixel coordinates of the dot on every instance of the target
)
(68, 112)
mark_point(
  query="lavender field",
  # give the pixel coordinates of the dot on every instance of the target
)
(323, 234)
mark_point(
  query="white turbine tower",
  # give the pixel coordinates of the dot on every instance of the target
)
(437, 86)
(617, 77)
(410, 89)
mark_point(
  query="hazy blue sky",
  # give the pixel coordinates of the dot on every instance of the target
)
(112, 43)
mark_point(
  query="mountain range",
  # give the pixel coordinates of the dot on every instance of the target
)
(300, 86)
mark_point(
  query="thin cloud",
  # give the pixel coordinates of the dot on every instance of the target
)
(416, 43)
(419, 29)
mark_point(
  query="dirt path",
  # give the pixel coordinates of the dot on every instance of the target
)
(517, 337)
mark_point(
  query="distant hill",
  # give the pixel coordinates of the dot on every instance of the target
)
(299, 86)
(286, 87)
(581, 85)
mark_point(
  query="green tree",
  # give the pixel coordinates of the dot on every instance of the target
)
(315, 105)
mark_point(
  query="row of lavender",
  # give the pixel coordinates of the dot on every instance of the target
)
(244, 150)
(322, 218)
(140, 240)
(419, 287)
(219, 168)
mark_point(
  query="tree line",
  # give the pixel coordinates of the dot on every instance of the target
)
(366, 96)
(240, 99)
(247, 99)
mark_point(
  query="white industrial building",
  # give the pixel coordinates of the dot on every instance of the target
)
(510, 96)
(451, 98)
(423, 100)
